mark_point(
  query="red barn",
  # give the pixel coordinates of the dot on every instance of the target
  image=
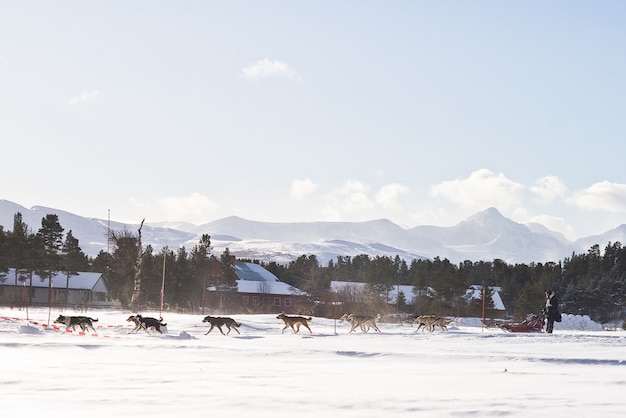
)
(255, 290)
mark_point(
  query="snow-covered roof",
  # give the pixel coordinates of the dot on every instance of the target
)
(266, 287)
(475, 291)
(255, 279)
(83, 280)
(406, 290)
(336, 285)
(253, 272)
(392, 294)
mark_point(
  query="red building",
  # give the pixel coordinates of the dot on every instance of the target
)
(253, 289)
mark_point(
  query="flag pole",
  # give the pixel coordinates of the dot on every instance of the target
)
(484, 296)
(162, 283)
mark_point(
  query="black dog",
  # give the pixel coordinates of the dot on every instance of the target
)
(144, 322)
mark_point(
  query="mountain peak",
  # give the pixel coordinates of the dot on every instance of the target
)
(487, 215)
(485, 236)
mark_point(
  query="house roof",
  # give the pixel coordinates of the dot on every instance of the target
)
(253, 272)
(336, 286)
(475, 292)
(392, 295)
(252, 278)
(266, 287)
(81, 281)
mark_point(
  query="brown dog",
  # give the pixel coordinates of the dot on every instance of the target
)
(443, 323)
(294, 322)
(431, 321)
(361, 321)
(221, 321)
(426, 322)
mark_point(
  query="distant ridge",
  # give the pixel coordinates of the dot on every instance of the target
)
(486, 235)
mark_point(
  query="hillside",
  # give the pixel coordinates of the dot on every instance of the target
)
(487, 235)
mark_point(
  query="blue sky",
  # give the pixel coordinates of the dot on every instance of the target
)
(420, 112)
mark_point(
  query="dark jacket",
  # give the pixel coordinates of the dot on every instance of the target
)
(552, 308)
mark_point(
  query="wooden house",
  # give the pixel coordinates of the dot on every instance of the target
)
(255, 290)
(85, 289)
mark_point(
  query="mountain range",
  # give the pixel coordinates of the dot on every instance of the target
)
(486, 236)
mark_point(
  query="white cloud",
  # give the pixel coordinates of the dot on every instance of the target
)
(350, 199)
(87, 97)
(301, 188)
(354, 200)
(481, 189)
(549, 188)
(607, 196)
(266, 68)
(553, 223)
(389, 194)
(191, 208)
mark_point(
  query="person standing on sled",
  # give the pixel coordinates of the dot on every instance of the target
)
(551, 311)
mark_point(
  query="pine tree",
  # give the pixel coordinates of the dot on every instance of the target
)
(73, 259)
(50, 240)
(227, 286)
(200, 256)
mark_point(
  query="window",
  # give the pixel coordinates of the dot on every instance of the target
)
(246, 300)
(276, 301)
(255, 300)
(287, 302)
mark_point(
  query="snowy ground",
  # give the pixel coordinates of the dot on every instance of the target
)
(467, 371)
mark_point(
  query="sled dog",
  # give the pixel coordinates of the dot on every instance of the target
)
(362, 321)
(425, 322)
(431, 321)
(294, 322)
(145, 322)
(84, 322)
(443, 323)
(219, 321)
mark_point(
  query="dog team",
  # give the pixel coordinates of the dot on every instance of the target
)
(363, 322)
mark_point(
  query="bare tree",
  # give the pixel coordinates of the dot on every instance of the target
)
(264, 288)
(134, 300)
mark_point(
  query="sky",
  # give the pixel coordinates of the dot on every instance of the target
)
(398, 372)
(419, 112)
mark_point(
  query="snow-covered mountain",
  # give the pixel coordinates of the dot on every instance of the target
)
(486, 235)
(91, 233)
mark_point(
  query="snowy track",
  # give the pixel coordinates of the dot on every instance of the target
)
(464, 372)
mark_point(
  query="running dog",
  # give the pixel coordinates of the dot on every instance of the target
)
(443, 323)
(219, 321)
(425, 322)
(294, 322)
(144, 322)
(347, 317)
(431, 321)
(84, 322)
(362, 321)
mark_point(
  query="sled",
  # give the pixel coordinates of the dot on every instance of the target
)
(533, 323)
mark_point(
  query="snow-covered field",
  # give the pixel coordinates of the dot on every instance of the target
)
(467, 371)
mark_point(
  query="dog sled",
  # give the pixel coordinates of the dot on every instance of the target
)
(532, 323)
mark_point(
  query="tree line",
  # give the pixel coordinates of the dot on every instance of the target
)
(593, 283)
